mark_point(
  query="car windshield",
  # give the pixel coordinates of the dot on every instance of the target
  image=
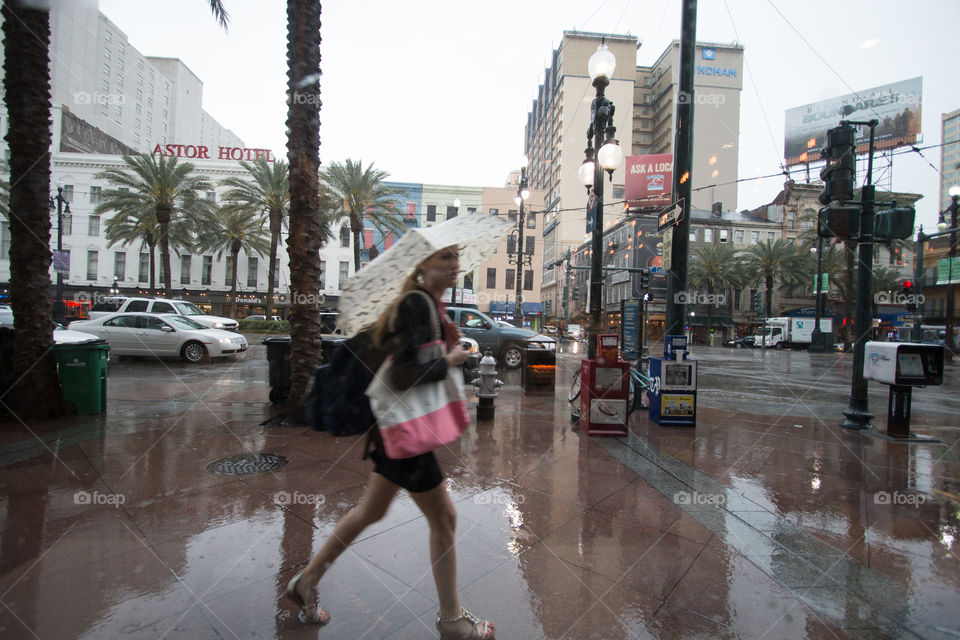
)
(188, 309)
(183, 323)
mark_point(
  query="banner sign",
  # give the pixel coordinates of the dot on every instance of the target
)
(61, 262)
(896, 106)
(649, 180)
(631, 329)
(592, 202)
(946, 274)
(824, 283)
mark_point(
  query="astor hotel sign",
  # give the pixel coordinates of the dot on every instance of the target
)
(202, 152)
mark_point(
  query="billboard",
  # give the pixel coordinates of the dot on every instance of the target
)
(649, 180)
(896, 106)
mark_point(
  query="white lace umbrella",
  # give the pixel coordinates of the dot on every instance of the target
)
(369, 292)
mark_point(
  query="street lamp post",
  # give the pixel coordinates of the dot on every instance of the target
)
(59, 201)
(603, 153)
(942, 226)
(453, 291)
(522, 194)
(816, 339)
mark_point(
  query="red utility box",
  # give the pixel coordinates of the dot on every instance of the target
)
(604, 390)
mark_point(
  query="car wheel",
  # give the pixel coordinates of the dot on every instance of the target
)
(779, 346)
(194, 352)
(738, 345)
(574, 392)
(512, 356)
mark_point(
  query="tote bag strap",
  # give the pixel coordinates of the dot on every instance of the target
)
(434, 319)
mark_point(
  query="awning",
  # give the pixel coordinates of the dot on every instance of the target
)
(529, 308)
(532, 308)
(701, 321)
(498, 307)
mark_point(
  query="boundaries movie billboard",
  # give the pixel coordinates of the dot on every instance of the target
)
(896, 106)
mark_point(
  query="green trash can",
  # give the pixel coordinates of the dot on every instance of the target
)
(83, 375)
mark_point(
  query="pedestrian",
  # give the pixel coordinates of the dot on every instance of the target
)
(409, 317)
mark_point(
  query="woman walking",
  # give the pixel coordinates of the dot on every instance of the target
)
(405, 326)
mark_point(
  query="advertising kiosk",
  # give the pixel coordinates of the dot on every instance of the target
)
(604, 389)
(673, 398)
(903, 365)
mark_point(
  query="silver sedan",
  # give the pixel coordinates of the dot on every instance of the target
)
(161, 334)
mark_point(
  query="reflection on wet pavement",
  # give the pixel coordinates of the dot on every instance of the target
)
(765, 521)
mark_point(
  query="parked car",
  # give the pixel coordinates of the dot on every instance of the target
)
(120, 304)
(575, 332)
(740, 343)
(505, 342)
(550, 330)
(161, 334)
(264, 318)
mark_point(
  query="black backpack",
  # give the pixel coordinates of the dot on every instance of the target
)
(337, 403)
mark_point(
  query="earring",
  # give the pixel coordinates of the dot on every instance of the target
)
(419, 277)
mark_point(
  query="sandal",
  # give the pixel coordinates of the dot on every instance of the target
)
(320, 615)
(481, 629)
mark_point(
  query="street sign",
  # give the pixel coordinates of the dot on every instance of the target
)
(656, 269)
(591, 211)
(824, 283)
(670, 217)
(667, 248)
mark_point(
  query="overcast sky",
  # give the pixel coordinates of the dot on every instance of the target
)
(438, 91)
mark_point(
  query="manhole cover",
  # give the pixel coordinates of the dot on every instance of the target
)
(246, 464)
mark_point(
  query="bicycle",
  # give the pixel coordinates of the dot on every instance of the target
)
(639, 382)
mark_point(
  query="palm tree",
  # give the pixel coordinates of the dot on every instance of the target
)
(714, 266)
(230, 229)
(305, 237)
(140, 225)
(769, 261)
(268, 195)
(162, 184)
(363, 195)
(26, 89)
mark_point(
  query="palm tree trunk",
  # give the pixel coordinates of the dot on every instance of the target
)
(153, 270)
(709, 312)
(303, 149)
(163, 219)
(356, 226)
(768, 310)
(275, 227)
(27, 97)
(235, 252)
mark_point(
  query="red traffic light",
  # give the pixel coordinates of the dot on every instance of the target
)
(907, 284)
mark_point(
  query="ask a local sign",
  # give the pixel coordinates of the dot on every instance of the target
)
(649, 180)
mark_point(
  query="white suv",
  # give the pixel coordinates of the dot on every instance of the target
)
(158, 305)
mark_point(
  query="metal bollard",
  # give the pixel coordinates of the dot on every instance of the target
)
(488, 386)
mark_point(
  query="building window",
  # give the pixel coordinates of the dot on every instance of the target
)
(693, 235)
(708, 235)
(738, 236)
(323, 274)
(106, 52)
(345, 236)
(206, 270)
(120, 265)
(106, 35)
(512, 214)
(790, 216)
(451, 212)
(511, 245)
(344, 274)
(618, 193)
(4, 240)
(494, 212)
(530, 243)
(754, 237)
(531, 220)
(724, 236)
(511, 279)
(491, 273)
(528, 280)
(95, 195)
(185, 269)
(68, 192)
(736, 298)
(253, 264)
(93, 226)
(431, 213)
(143, 274)
(92, 259)
(67, 225)
(771, 236)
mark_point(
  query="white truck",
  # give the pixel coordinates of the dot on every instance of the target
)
(790, 333)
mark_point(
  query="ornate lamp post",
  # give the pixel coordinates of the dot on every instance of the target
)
(453, 291)
(522, 195)
(59, 201)
(603, 153)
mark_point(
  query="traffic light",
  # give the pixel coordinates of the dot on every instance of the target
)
(894, 223)
(645, 280)
(909, 297)
(841, 169)
(839, 222)
(755, 301)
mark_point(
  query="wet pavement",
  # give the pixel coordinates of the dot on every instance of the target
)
(767, 520)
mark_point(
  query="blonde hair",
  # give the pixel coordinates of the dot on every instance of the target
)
(381, 327)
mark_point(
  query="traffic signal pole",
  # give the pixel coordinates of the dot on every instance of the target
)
(857, 413)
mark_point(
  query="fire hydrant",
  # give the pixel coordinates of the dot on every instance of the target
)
(488, 386)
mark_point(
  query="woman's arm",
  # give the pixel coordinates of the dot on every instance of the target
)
(414, 328)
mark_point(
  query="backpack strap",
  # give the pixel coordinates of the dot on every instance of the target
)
(434, 319)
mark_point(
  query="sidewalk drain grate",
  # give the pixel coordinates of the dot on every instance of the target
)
(246, 464)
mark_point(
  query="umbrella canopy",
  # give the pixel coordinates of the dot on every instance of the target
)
(368, 293)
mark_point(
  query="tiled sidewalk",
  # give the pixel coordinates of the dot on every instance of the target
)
(749, 526)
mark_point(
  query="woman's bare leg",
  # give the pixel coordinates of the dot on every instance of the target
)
(442, 518)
